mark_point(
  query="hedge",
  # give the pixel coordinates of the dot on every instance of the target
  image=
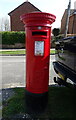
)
(10, 38)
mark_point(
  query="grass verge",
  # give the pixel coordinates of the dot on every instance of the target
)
(61, 104)
(12, 52)
(18, 52)
(15, 104)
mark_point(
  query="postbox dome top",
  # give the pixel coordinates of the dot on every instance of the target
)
(38, 18)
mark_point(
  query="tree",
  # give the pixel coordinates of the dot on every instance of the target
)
(56, 31)
(4, 24)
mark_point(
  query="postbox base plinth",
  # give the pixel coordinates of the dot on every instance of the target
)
(36, 103)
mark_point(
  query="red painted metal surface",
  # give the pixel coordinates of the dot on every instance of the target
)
(38, 34)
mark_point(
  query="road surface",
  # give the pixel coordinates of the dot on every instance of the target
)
(13, 72)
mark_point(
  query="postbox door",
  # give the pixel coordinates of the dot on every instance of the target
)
(37, 60)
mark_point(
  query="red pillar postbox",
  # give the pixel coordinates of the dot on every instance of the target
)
(38, 33)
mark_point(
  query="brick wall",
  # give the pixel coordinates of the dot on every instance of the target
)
(16, 24)
(72, 24)
(63, 22)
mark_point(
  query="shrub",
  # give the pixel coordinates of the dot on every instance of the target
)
(10, 38)
(0, 38)
(55, 39)
(56, 31)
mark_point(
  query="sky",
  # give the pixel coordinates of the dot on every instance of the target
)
(56, 7)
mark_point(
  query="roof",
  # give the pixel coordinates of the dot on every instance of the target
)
(74, 12)
(21, 5)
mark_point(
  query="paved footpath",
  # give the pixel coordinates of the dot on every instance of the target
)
(16, 49)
